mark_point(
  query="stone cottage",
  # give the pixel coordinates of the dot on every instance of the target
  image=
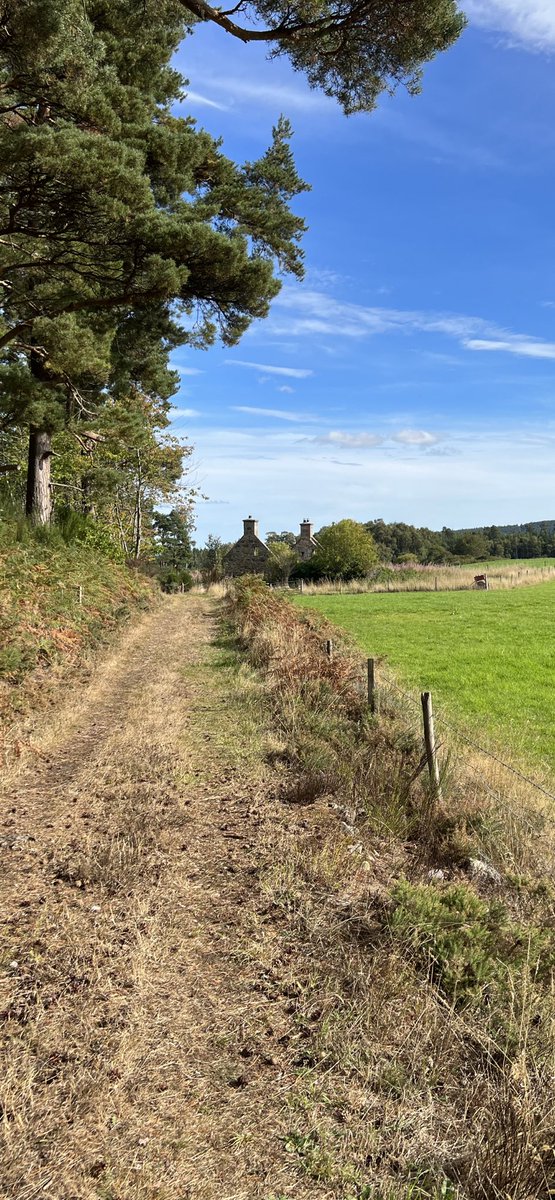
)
(306, 543)
(250, 555)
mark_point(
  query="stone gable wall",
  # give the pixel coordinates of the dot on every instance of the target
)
(249, 556)
(305, 547)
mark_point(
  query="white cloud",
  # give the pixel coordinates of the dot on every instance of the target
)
(185, 412)
(526, 347)
(293, 372)
(285, 388)
(187, 370)
(308, 312)
(237, 89)
(197, 98)
(280, 413)
(530, 23)
(497, 477)
(416, 437)
(338, 438)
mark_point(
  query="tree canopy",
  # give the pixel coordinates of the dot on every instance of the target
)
(345, 551)
(282, 562)
(124, 230)
(351, 49)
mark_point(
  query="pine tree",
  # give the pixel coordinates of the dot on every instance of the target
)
(350, 49)
(120, 224)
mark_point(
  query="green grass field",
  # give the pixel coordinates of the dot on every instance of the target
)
(511, 563)
(487, 657)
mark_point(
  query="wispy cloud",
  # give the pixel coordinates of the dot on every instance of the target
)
(293, 372)
(343, 462)
(439, 141)
(530, 23)
(285, 388)
(187, 370)
(237, 90)
(198, 98)
(308, 312)
(185, 412)
(280, 414)
(416, 437)
(526, 347)
(337, 438)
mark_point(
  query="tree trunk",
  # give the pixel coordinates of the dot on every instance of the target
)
(138, 514)
(137, 525)
(87, 502)
(38, 506)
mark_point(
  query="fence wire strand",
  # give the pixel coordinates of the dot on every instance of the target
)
(439, 720)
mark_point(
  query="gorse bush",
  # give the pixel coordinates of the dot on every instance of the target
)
(70, 528)
(81, 530)
(469, 944)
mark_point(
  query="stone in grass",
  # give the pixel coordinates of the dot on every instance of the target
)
(483, 871)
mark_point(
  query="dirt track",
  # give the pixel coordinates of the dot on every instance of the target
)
(149, 1052)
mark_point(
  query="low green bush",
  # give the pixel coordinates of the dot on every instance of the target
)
(172, 579)
(467, 944)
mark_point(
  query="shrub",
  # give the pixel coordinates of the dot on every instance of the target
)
(174, 580)
(467, 942)
(77, 529)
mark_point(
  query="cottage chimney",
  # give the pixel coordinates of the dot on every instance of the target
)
(306, 528)
(250, 526)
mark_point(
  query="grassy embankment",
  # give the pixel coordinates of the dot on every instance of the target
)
(428, 977)
(487, 657)
(45, 632)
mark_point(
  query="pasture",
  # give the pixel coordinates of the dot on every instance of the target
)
(487, 657)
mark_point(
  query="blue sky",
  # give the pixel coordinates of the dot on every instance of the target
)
(411, 376)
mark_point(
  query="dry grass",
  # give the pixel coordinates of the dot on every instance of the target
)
(141, 1062)
(215, 591)
(430, 1067)
(208, 992)
(46, 634)
(414, 577)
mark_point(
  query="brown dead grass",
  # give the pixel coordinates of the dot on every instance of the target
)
(141, 1058)
(203, 997)
(416, 577)
(403, 1091)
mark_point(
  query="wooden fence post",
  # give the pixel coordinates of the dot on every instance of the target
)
(329, 648)
(371, 685)
(430, 743)
(80, 593)
(301, 586)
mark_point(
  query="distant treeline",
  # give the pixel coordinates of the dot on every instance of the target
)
(398, 542)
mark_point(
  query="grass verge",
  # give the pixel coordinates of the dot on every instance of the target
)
(58, 603)
(428, 942)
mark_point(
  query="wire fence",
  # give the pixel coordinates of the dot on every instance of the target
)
(518, 829)
(465, 737)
